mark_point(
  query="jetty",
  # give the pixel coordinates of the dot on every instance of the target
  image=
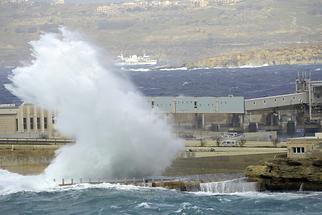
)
(216, 183)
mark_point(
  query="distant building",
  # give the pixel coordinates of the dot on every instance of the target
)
(104, 9)
(200, 3)
(226, 2)
(30, 121)
(305, 147)
(26, 121)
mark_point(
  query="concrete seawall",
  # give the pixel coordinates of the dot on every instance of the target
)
(26, 159)
(33, 159)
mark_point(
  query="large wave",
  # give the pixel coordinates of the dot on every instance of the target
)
(116, 133)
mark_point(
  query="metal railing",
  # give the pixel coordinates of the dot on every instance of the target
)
(146, 182)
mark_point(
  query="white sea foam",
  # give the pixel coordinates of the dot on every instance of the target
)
(200, 68)
(174, 69)
(143, 205)
(117, 135)
(138, 69)
(229, 186)
(253, 66)
(262, 195)
(185, 83)
(12, 183)
(242, 66)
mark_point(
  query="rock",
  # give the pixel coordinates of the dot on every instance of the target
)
(293, 163)
(295, 54)
(285, 174)
(257, 171)
(317, 163)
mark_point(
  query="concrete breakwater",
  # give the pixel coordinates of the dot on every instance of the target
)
(211, 183)
(177, 184)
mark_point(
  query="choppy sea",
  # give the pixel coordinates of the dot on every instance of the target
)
(249, 82)
(121, 199)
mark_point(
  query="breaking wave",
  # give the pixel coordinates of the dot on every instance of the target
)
(116, 133)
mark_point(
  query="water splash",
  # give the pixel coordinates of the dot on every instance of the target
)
(12, 182)
(117, 135)
(230, 186)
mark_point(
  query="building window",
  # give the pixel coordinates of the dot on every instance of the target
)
(38, 122)
(25, 123)
(195, 104)
(152, 103)
(45, 122)
(16, 124)
(31, 123)
(298, 150)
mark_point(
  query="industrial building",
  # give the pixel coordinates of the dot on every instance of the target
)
(295, 114)
(299, 112)
(26, 121)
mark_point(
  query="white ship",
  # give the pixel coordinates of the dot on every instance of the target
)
(135, 60)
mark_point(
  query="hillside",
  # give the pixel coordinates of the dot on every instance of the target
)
(176, 34)
(296, 54)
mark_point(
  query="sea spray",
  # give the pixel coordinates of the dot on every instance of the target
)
(116, 133)
(13, 182)
(230, 186)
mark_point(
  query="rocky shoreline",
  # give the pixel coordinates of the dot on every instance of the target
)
(296, 54)
(285, 174)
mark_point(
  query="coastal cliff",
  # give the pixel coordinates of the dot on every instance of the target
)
(284, 174)
(310, 54)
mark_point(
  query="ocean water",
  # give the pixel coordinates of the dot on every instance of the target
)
(120, 199)
(247, 82)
